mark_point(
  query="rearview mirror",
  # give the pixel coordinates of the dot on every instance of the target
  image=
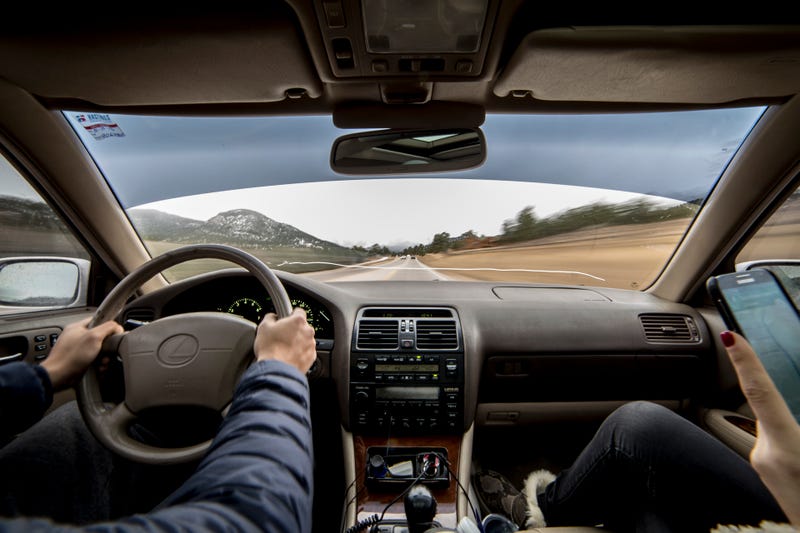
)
(408, 151)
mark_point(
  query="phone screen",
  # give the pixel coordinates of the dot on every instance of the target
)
(770, 323)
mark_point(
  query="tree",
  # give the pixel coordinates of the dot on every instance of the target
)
(467, 240)
(377, 249)
(440, 243)
(526, 224)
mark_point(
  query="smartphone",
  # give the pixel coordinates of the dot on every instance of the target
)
(756, 305)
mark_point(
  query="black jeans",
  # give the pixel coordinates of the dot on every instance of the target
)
(649, 469)
(57, 469)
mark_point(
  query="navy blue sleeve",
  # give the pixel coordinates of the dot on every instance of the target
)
(25, 395)
(260, 466)
(256, 476)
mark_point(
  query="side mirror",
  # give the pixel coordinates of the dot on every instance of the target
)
(39, 283)
(786, 270)
(408, 151)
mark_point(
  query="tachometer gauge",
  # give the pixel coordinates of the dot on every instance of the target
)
(247, 308)
(309, 312)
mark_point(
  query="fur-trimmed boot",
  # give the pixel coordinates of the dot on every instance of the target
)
(534, 485)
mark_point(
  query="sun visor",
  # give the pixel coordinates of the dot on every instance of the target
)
(181, 61)
(682, 65)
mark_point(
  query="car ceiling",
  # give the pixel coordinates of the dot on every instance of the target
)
(280, 56)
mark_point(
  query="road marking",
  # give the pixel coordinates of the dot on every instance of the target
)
(533, 271)
(436, 270)
(431, 270)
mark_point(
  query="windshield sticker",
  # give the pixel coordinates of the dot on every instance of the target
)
(100, 126)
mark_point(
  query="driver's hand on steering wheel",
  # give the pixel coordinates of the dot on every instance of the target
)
(290, 339)
(75, 350)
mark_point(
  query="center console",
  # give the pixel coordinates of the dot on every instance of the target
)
(406, 411)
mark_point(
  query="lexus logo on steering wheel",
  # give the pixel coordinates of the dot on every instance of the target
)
(178, 350)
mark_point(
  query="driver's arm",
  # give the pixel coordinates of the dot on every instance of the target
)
(258, 472)
(26, 391)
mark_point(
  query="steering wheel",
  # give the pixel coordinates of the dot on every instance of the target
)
(192, 359)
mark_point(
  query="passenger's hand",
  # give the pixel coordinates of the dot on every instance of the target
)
(75, 350)
(290, 339)
(776, 455)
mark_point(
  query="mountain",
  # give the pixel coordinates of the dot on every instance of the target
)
(16, 212)
(238, 227)
(159, 226)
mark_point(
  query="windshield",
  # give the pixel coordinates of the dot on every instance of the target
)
(597, 200)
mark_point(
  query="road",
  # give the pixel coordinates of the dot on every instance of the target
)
(387, 269)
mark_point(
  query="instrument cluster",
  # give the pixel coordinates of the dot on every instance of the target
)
(244, 296)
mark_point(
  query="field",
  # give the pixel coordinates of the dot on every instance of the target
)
(277, 258)
(16, 241)
(627, 257)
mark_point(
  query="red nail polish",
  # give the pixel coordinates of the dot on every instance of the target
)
(727, 338)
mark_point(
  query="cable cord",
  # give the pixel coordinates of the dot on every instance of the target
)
(375, 519)
(399, 496)
(475, 513)
(364, 524)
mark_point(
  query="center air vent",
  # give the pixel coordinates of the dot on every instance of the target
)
(437, 335)
(677, 329)
(378, 335)
(407, 329)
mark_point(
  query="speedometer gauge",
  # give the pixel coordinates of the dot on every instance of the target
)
(247, 308)
(309, 312)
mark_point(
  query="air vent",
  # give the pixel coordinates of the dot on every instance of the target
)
(437, 335)
(140, 315)
(677, 329)
(378, 335)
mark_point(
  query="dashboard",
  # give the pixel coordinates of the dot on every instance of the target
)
(515, 344)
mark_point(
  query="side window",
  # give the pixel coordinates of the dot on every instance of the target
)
(779, 238)
(42, 265)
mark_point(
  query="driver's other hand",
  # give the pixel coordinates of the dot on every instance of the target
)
(776, 455)
(75, 350)
(290, 339)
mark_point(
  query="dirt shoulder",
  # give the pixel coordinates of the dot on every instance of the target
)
(620, 256)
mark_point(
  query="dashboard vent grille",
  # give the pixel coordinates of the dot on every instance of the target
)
(140, 314)
(378, 335)
(437, 335)
(675, 329)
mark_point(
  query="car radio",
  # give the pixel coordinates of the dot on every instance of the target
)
(407, 371)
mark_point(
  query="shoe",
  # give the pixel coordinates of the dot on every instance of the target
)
(497, 495)
(534, 485)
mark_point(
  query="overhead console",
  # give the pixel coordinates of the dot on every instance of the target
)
(407, 371)
(376, 38)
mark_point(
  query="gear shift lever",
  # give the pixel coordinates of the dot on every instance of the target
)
(420, 506)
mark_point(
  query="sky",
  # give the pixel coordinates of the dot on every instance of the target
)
(147, 160)
(392, 211)
(13, 184)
